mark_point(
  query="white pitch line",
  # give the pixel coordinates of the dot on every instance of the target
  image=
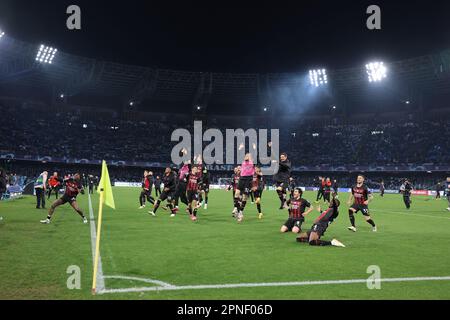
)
(160, 283)
(410, 214)
(269, 284)
(100, 278)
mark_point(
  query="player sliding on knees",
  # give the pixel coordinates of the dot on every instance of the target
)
(359, 200)
(313, 236)
(245, 186)
(297, 212)
(257, 189)
(73, 188)
(167, 194)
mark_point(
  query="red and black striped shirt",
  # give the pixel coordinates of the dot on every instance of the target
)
(193, 181)
(297, 207)
(360, 194)
(73, 187)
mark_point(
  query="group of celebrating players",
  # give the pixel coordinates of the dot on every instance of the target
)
(190, 185)
(248, 179)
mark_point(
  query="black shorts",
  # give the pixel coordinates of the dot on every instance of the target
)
(167, 195)
(258, 193)
(191, 196)
(284, 184)
(205, 187)
(361, 207)
(66, 198)
(245, 185)
(319, 228)
(291, 223)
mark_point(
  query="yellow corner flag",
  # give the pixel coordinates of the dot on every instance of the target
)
(106, 197)
(105, 186)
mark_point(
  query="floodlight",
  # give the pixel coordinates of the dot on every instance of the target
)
(46, 54)
(1, 34)
(318, 77)
(376, 71)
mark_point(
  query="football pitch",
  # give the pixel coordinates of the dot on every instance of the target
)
(160, 257)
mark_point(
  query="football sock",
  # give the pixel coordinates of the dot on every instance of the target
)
(320, 243)
(352, 217)
(370, 221)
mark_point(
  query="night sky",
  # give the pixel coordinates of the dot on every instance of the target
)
(226, 36)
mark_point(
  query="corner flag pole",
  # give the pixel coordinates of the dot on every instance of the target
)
(106, 197)
(97, 244)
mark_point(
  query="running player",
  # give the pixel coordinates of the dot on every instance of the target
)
(359, 200)
(146, 192)
(244, 186)
(168, 192)
(192, 191)
(320, 226)
(157, 185)
(297, 212)
(234, 183)
(282, 178)
(382, 188)
(204, 187)
(257, 189)
(73, 188)
(182, 183)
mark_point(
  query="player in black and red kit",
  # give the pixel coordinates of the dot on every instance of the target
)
(327, 190)
(73, 188)
(258, 188)
(146, 192)
(320, 226)
(282, 178)
(168, 193)
(359, 201)
(233, 186)
(204, 186)
(192, 192)
(297, 212)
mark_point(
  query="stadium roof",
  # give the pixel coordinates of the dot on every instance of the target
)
(80, 76)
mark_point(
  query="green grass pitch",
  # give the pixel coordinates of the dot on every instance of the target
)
(217, 250)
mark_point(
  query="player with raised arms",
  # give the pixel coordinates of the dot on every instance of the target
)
(244, 186)
(281, 178)
(73, 188)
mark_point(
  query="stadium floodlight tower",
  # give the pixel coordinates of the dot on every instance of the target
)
(376, 71)
(318, 77)
(46, 54)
